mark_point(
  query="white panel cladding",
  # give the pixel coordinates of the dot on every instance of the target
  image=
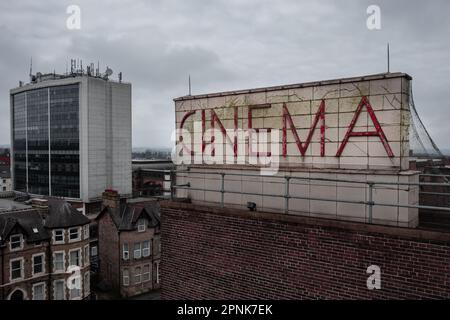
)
(333, 194)
(109, 137)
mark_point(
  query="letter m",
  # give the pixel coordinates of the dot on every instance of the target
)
(287, 119)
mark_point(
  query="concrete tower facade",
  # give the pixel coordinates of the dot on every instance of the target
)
(71, 137)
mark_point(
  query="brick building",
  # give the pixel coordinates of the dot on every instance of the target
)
(44, 252)
(129, 245)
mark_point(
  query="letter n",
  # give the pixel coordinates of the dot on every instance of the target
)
(377, 133)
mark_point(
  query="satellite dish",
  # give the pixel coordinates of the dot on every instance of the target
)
(108, 72)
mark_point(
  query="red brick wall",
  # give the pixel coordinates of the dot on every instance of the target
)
(231, 254)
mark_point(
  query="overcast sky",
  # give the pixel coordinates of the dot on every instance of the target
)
(227, 45)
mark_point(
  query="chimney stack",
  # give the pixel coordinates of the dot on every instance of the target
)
(111, 199)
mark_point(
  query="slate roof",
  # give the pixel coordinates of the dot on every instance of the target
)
(28, 221)
(129, 214)
(62, 215)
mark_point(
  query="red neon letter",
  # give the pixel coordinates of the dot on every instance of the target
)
(320, 115)
(214, 119)
(185, 117)
(378, 130)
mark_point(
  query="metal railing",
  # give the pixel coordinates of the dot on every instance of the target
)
(287, 195)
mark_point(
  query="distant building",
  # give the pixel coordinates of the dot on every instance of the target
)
(5, 179)
(71, 137)
(129, 245)
(44, 253)
(151, 177)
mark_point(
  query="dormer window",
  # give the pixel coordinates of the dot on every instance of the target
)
(58, 236)
(16, 242)
(141, 225)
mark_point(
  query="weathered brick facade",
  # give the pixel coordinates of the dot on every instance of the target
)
(118, 226)
(213, 253)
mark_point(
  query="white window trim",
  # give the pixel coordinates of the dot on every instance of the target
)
(149, 272)
(87, 288)
(92, 251)
(126, 283)
(38, 284)
(87, 257)
(135, 274)
(142, 228)
(126, 251)
(43, 264)
(86, 232)
(64, 262)
(64, 288)
(149, 249)
(54, 237)
(157, 272)
(79, 234)
(21, 242)
(80, 255)
(22, 271)
(140, 251)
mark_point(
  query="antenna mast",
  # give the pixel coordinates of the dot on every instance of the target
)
(190, 85)
(31, 68)
(388, 59)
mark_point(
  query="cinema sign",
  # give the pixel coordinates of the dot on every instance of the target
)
(354, 123)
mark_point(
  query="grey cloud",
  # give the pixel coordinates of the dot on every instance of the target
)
(228, 45)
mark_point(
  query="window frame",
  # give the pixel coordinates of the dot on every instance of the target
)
(146, 273)
(137, 274)
(87, 284)
(44, 287)
(146, 249)
(142, 225)
(37, 274)
(137, 250)
(87, 253)
(54, 236)
(63, 262)
(126, 275)
(78, 235)
(22, 269)
(157, 272)
(80, 257)
(86, 233)
(126, 253)
(11, 242)
(63, 288)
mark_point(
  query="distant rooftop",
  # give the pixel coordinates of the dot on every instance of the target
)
(76, 70)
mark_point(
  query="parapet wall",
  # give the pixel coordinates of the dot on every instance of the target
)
(213, 253)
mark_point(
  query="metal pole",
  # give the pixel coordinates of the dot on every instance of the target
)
(222, 190)
(370, 202)
(286, 195)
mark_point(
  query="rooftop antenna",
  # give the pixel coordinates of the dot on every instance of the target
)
(388, 59)
(190, 85)
(66, 67)
(31, 68)
(98, 67)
